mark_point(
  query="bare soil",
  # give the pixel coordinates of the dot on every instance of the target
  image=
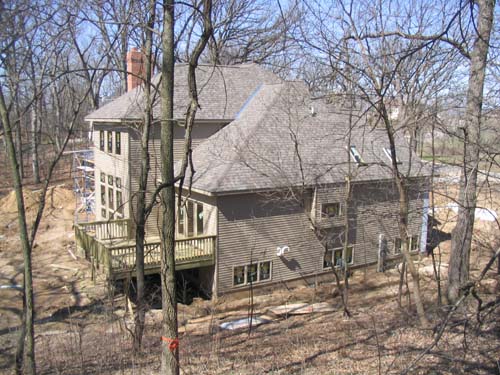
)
(80, 329)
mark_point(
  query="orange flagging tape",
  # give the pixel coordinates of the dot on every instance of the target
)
(172, 343)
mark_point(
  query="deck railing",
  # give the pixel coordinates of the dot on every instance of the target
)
(110, 250)
(107, 230)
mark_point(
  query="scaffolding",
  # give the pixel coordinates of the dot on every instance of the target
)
(83, 184)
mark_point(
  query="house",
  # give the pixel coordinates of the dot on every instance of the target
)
(268, 199)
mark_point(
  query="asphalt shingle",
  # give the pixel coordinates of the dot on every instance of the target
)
(222, 90)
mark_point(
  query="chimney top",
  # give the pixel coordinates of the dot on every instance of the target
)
(135, 68)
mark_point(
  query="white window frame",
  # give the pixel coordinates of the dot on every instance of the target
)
(191, 216)
(417, 240)
(341, 249)
(409, 240)
(326, 216)
(245, 273)
(387, 152)
(355, 155)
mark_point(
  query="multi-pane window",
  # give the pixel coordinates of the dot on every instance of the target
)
(334, 257)
(356, 155)
(413, 244)
(110, 141)
(112, 199)
(101, 140)
(252, 273)
(331, 210)
(190, 219)
(118, 143)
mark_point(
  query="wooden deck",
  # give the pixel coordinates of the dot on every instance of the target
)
(109, 248)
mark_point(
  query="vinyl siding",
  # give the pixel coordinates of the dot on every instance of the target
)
(111, 164)
(251, 228)
(373, 210)
(199, 134)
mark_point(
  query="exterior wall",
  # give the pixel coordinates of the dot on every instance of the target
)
(200, 133)
(251, 228)
(209, 213)
(113, 165)
(373, 210)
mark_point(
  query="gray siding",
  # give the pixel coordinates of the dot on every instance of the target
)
(373, 210)
(251, 228)
(200, 133)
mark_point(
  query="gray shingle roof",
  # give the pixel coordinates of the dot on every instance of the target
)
(276, 142)
(223, 91)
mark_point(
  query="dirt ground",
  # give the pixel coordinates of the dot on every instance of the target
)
(80, 329)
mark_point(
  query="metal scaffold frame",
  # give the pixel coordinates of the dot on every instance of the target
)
(83, 184)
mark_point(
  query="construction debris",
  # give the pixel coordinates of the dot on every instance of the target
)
(302, 308)
(245, 322)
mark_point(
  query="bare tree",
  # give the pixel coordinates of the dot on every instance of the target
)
(170, 353)
(458, 271)
(142, 214)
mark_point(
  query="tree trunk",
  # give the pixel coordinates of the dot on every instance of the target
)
(461, 237)
(144, 173)
(170, 352)
(25, 243)
(400, 182)
(34, 142)
(19, 141)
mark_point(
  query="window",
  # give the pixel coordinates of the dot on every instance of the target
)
(252, 273)
(190, 219)
(103, 177)
(331, 209)
(101, 140)
(264, 271)
(334, 257)
(199, 219)
(397, 245)
(110, 199)
(414, 245)
(103, 195)
(110, 180)
(356, 156)
(110, 141)
(103, 213)
(119, 202)
(412, 242)
(239, 275)
(118, 181)
(387, 152)
(180, 221)
(118, 143)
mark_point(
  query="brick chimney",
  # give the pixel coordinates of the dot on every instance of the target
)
(135, 68)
